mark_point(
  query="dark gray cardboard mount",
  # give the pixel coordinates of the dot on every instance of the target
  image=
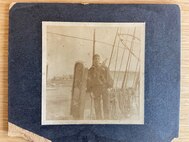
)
(162, 70)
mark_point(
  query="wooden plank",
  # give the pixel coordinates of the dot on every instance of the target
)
(15, 131)
(5, 138)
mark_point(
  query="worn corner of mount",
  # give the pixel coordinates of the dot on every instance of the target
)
(85, 3)
(12, 4)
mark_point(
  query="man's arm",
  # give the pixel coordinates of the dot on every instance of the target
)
(89, 81)
(110, 81)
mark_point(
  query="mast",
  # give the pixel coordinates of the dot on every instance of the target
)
(93, 45)
(94, 42)
(130, 50)
(116, 60)
(137, 69)
(113, 47)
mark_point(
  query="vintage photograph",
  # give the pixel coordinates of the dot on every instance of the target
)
(93, 73)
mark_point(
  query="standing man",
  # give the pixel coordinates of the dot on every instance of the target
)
(98, 82)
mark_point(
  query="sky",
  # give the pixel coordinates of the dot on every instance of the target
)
(67, 44)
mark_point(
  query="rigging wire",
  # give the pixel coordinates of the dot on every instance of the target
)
(130, 49)
(137, 69)
(125, 45)
(116, 60)
(113, 48)
(136, 73)
(96, 41)
(127, 71)
(124, 49)
(138, 39)
(120, 66)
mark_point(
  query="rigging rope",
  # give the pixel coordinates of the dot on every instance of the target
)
(136, 70)
(116, 60)
(127, 71)
(120, 67)
(91, 40)
(125, 45)
(113, 48)
(130, 49)
(124, 49)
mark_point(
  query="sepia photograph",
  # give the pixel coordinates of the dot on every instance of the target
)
(92, 73)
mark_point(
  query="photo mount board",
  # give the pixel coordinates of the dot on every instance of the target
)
(162, 69)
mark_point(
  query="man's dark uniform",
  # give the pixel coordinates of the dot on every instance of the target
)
(99, 80)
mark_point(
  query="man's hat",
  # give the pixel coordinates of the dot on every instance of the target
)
(96, 55)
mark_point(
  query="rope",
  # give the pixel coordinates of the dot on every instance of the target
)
(93, 43)
(138, 39)
(136, 69)
(121, 61)
(127, 71)
(113, 48)
(130, 49)
(120, 66)
(91, 40)
(116, 59)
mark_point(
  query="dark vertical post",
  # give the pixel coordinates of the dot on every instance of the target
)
(93, 45)
(113, 47)
(94, 42)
